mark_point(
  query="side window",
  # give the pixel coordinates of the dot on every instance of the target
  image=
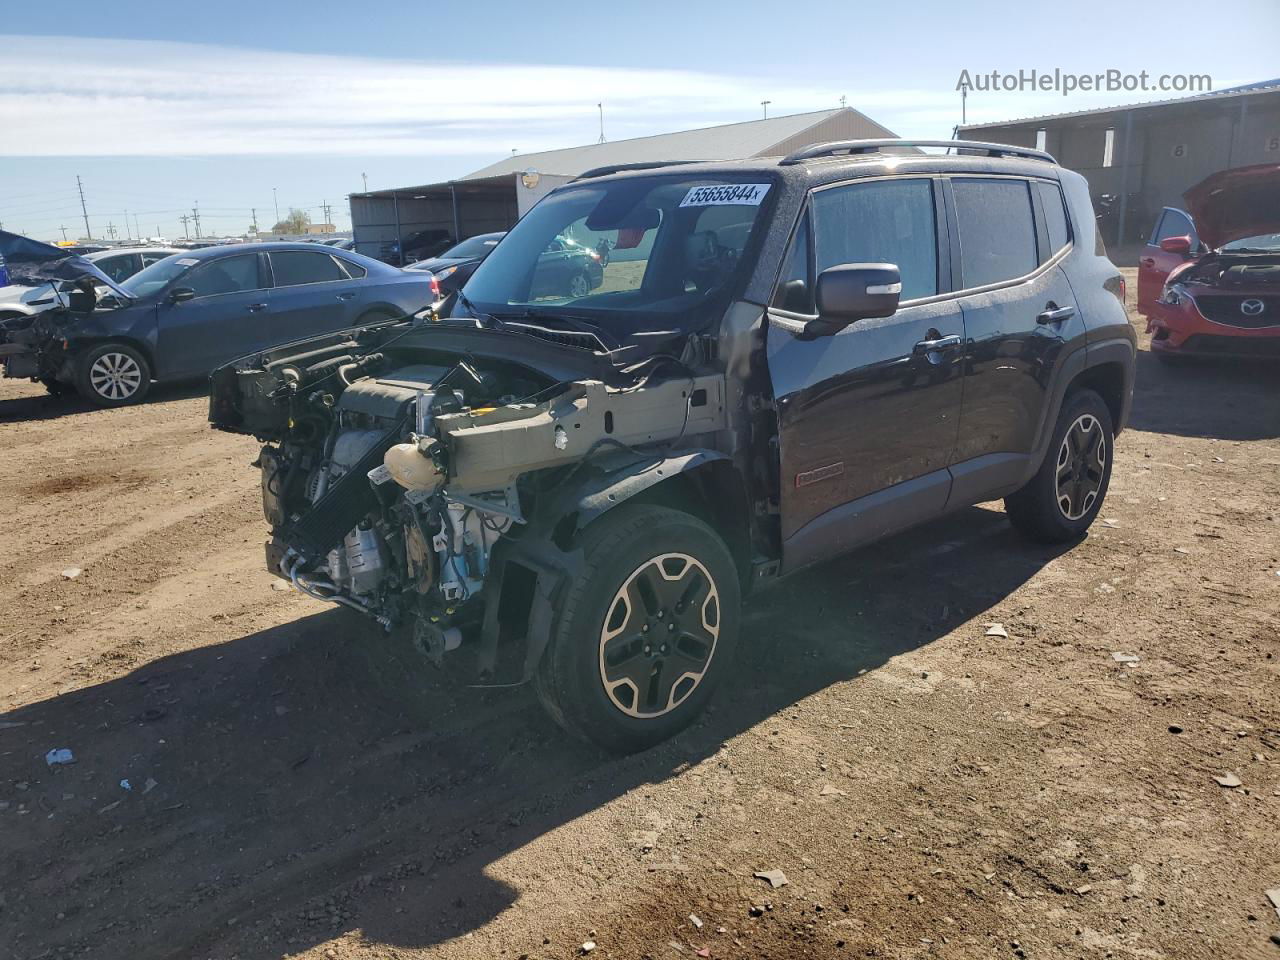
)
(352, 270)
(997, 231)
(119, 268)
(1055, 215)
(884, 221)
(1174, 224)
(149, 258)
(228, 275)
(292, 268)
(794, 292)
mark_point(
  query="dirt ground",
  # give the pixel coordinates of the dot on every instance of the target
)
(298, 784)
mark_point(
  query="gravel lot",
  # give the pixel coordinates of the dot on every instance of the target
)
(299, 784)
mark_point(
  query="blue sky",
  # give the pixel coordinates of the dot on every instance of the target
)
(160, 105)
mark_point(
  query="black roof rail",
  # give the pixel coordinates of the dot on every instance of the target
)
(853, 147)
(624, 167)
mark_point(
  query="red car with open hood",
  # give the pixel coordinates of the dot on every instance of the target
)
(1209, 281)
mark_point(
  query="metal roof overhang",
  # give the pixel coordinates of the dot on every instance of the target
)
(444, 190)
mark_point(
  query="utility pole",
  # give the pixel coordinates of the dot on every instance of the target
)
(765, 106)
(64, 234)
(88, 235)
(600, 107)
(964, 97)
(111, 230)
(324, 206)
(195, 215)
(276, 201)
(126, 221)
(844, 101)
(365, 177)
(186, 234)
(139, 229)
(254, 211)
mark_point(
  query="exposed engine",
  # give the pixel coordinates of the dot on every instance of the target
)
(395, 472)
(1229, 271)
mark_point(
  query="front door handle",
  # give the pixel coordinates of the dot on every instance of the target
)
(255, 307)
(935, 346)
(1148, 261)
(1055, 314)
(346, 296)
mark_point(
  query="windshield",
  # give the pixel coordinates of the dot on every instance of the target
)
(156, 277)
(475, 247)
(1263, 243)
(621, 251)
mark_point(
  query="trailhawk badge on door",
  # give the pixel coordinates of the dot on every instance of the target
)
(725, 194)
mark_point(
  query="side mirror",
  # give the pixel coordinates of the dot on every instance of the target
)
(1178, 245)
(180, 294)
(857, 291)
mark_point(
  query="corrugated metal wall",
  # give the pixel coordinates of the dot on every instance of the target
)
(1169, 150)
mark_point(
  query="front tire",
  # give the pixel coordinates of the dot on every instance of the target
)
(113, 375)
(645, 632)
(1059, 503)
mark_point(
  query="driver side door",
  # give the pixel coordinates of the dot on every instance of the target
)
(227, 317)
(868, 417)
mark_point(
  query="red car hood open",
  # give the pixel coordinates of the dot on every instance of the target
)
(1234, 204)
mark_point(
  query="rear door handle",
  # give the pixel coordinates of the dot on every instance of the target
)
(1054, 314)
(1148, 261)
(255, 307)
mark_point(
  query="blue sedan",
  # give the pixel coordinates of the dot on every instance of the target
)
(195, 311)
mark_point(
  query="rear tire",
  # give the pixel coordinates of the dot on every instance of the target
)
(645, 632)
(579, 285)
(113, 375)
(1059, 503)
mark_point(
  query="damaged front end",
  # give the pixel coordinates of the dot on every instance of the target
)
(34, 347)
(432, 475)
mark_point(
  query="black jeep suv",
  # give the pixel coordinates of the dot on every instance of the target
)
(785, 359)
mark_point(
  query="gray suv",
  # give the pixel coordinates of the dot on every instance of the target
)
(784, 359)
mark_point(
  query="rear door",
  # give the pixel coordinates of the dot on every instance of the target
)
(1155, 264)
(226, 318)
(867, 417)
(1019, 316)
(313, 294)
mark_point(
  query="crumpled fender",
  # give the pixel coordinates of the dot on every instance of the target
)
(508, 655)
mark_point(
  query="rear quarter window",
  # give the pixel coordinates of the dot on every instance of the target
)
(1055, 215)
(996, 229)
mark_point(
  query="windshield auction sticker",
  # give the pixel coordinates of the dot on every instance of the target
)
(725, 194)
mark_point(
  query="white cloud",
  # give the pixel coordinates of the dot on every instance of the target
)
(62, 96)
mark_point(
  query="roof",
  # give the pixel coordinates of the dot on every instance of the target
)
(113, 251)
(752, 138)
(1229, 93)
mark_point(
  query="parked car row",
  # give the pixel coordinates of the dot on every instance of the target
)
(119, 264)
(183, 315)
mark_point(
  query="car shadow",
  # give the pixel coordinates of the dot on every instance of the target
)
(45, 406)
(318, 777)
(1224, 399)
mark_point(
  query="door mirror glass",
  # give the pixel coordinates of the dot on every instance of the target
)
(849, 292)
(1178, 245)
(179, 294)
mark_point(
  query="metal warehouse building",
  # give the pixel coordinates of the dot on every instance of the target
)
(494, 197)
(1145, 155)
